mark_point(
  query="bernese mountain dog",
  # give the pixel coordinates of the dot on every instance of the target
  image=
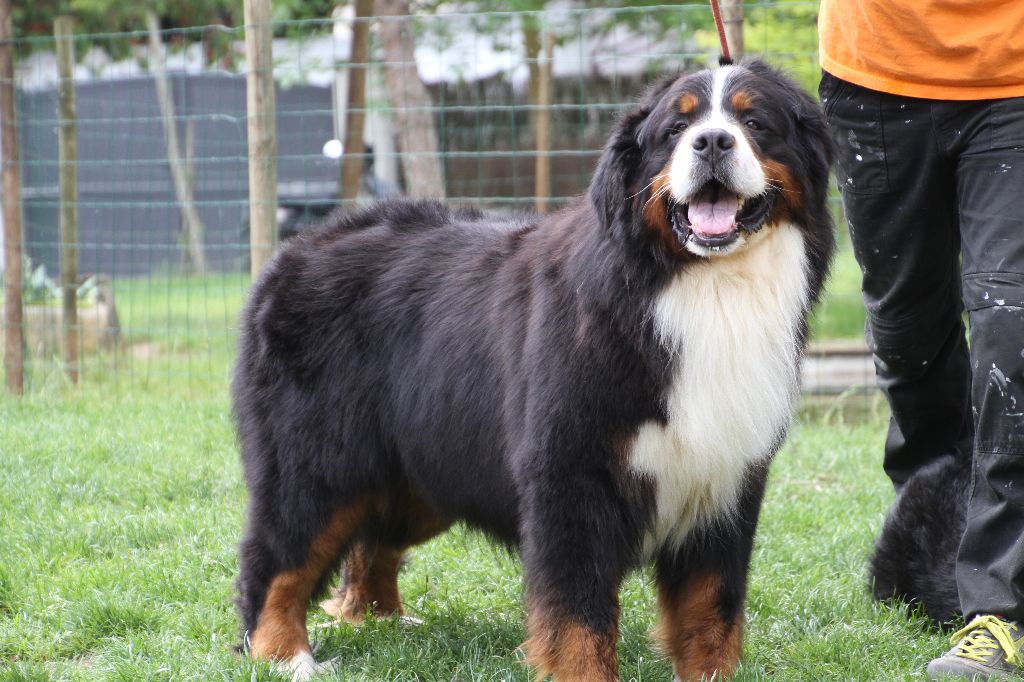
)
(601, 388)
(915, 554)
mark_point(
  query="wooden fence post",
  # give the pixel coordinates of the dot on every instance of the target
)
(262, 118)
(63, 33)
(411, 106)
(353, 159)
(14, 344)
(542, 167)
(732, 17)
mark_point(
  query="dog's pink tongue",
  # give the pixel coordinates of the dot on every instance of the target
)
(713, 217)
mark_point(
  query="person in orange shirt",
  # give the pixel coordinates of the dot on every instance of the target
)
(925, 103)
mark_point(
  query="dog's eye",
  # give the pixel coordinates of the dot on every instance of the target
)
(753, 124)
(677, 128)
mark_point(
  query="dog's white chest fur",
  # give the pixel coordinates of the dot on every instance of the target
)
(731, 324)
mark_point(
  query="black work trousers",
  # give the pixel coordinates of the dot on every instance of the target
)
(934, 196)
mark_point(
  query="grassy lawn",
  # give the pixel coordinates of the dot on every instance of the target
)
(840, 314)
(178, 336)
(121, 518)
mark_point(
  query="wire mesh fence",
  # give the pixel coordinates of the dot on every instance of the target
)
(504, 110)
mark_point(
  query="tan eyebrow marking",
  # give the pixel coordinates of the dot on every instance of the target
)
(742, 101)
(687, 103)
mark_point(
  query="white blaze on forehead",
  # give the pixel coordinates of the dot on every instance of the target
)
(721, 77)
(744, 173)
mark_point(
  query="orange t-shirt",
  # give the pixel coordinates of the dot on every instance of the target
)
(935, 49)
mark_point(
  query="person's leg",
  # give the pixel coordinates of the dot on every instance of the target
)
(990, 179)
(899, 196)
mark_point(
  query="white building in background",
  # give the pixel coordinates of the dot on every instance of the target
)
(452, 49)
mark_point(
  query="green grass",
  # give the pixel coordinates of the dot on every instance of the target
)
(840, 314)
(120, 522)
(178, 338)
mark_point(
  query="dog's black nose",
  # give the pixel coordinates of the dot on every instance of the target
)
(713, 144)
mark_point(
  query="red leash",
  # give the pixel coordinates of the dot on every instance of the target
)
(726, 58)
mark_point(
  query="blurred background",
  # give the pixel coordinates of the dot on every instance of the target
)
(142, 184)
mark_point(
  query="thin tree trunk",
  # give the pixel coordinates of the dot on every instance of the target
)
(410, 102)
(353, 160)
(193, 226)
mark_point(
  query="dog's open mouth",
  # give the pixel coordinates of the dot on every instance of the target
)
(714, 217)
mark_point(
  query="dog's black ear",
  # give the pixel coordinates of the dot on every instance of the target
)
(621, 161)
(811, 132)
(811, 137)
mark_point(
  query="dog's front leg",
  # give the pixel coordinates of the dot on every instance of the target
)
(572, 576)
(702, 589)
(701, 626)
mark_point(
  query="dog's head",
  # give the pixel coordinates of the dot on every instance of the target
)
(710, 159)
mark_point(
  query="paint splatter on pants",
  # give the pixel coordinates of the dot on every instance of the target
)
(934, 195)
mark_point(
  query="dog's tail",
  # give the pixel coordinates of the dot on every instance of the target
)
(915, 555)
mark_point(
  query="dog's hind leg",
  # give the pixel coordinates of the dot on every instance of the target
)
(275, 595)
(369, 584)
(370, 581)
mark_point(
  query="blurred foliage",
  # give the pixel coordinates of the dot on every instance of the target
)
(789, 33)
(776, 27)
(109, 16)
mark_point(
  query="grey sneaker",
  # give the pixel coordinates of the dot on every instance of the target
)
(988, 648)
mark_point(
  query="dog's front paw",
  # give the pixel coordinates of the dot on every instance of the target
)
(304, 667)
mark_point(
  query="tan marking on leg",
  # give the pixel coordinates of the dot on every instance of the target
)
(570, 652)
(371, 583)
(693, 633)
(420, 522)
(281, 627)
(371, 570)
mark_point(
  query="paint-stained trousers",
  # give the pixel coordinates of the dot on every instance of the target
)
(934, 196)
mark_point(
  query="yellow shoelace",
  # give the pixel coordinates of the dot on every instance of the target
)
(982, 636)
